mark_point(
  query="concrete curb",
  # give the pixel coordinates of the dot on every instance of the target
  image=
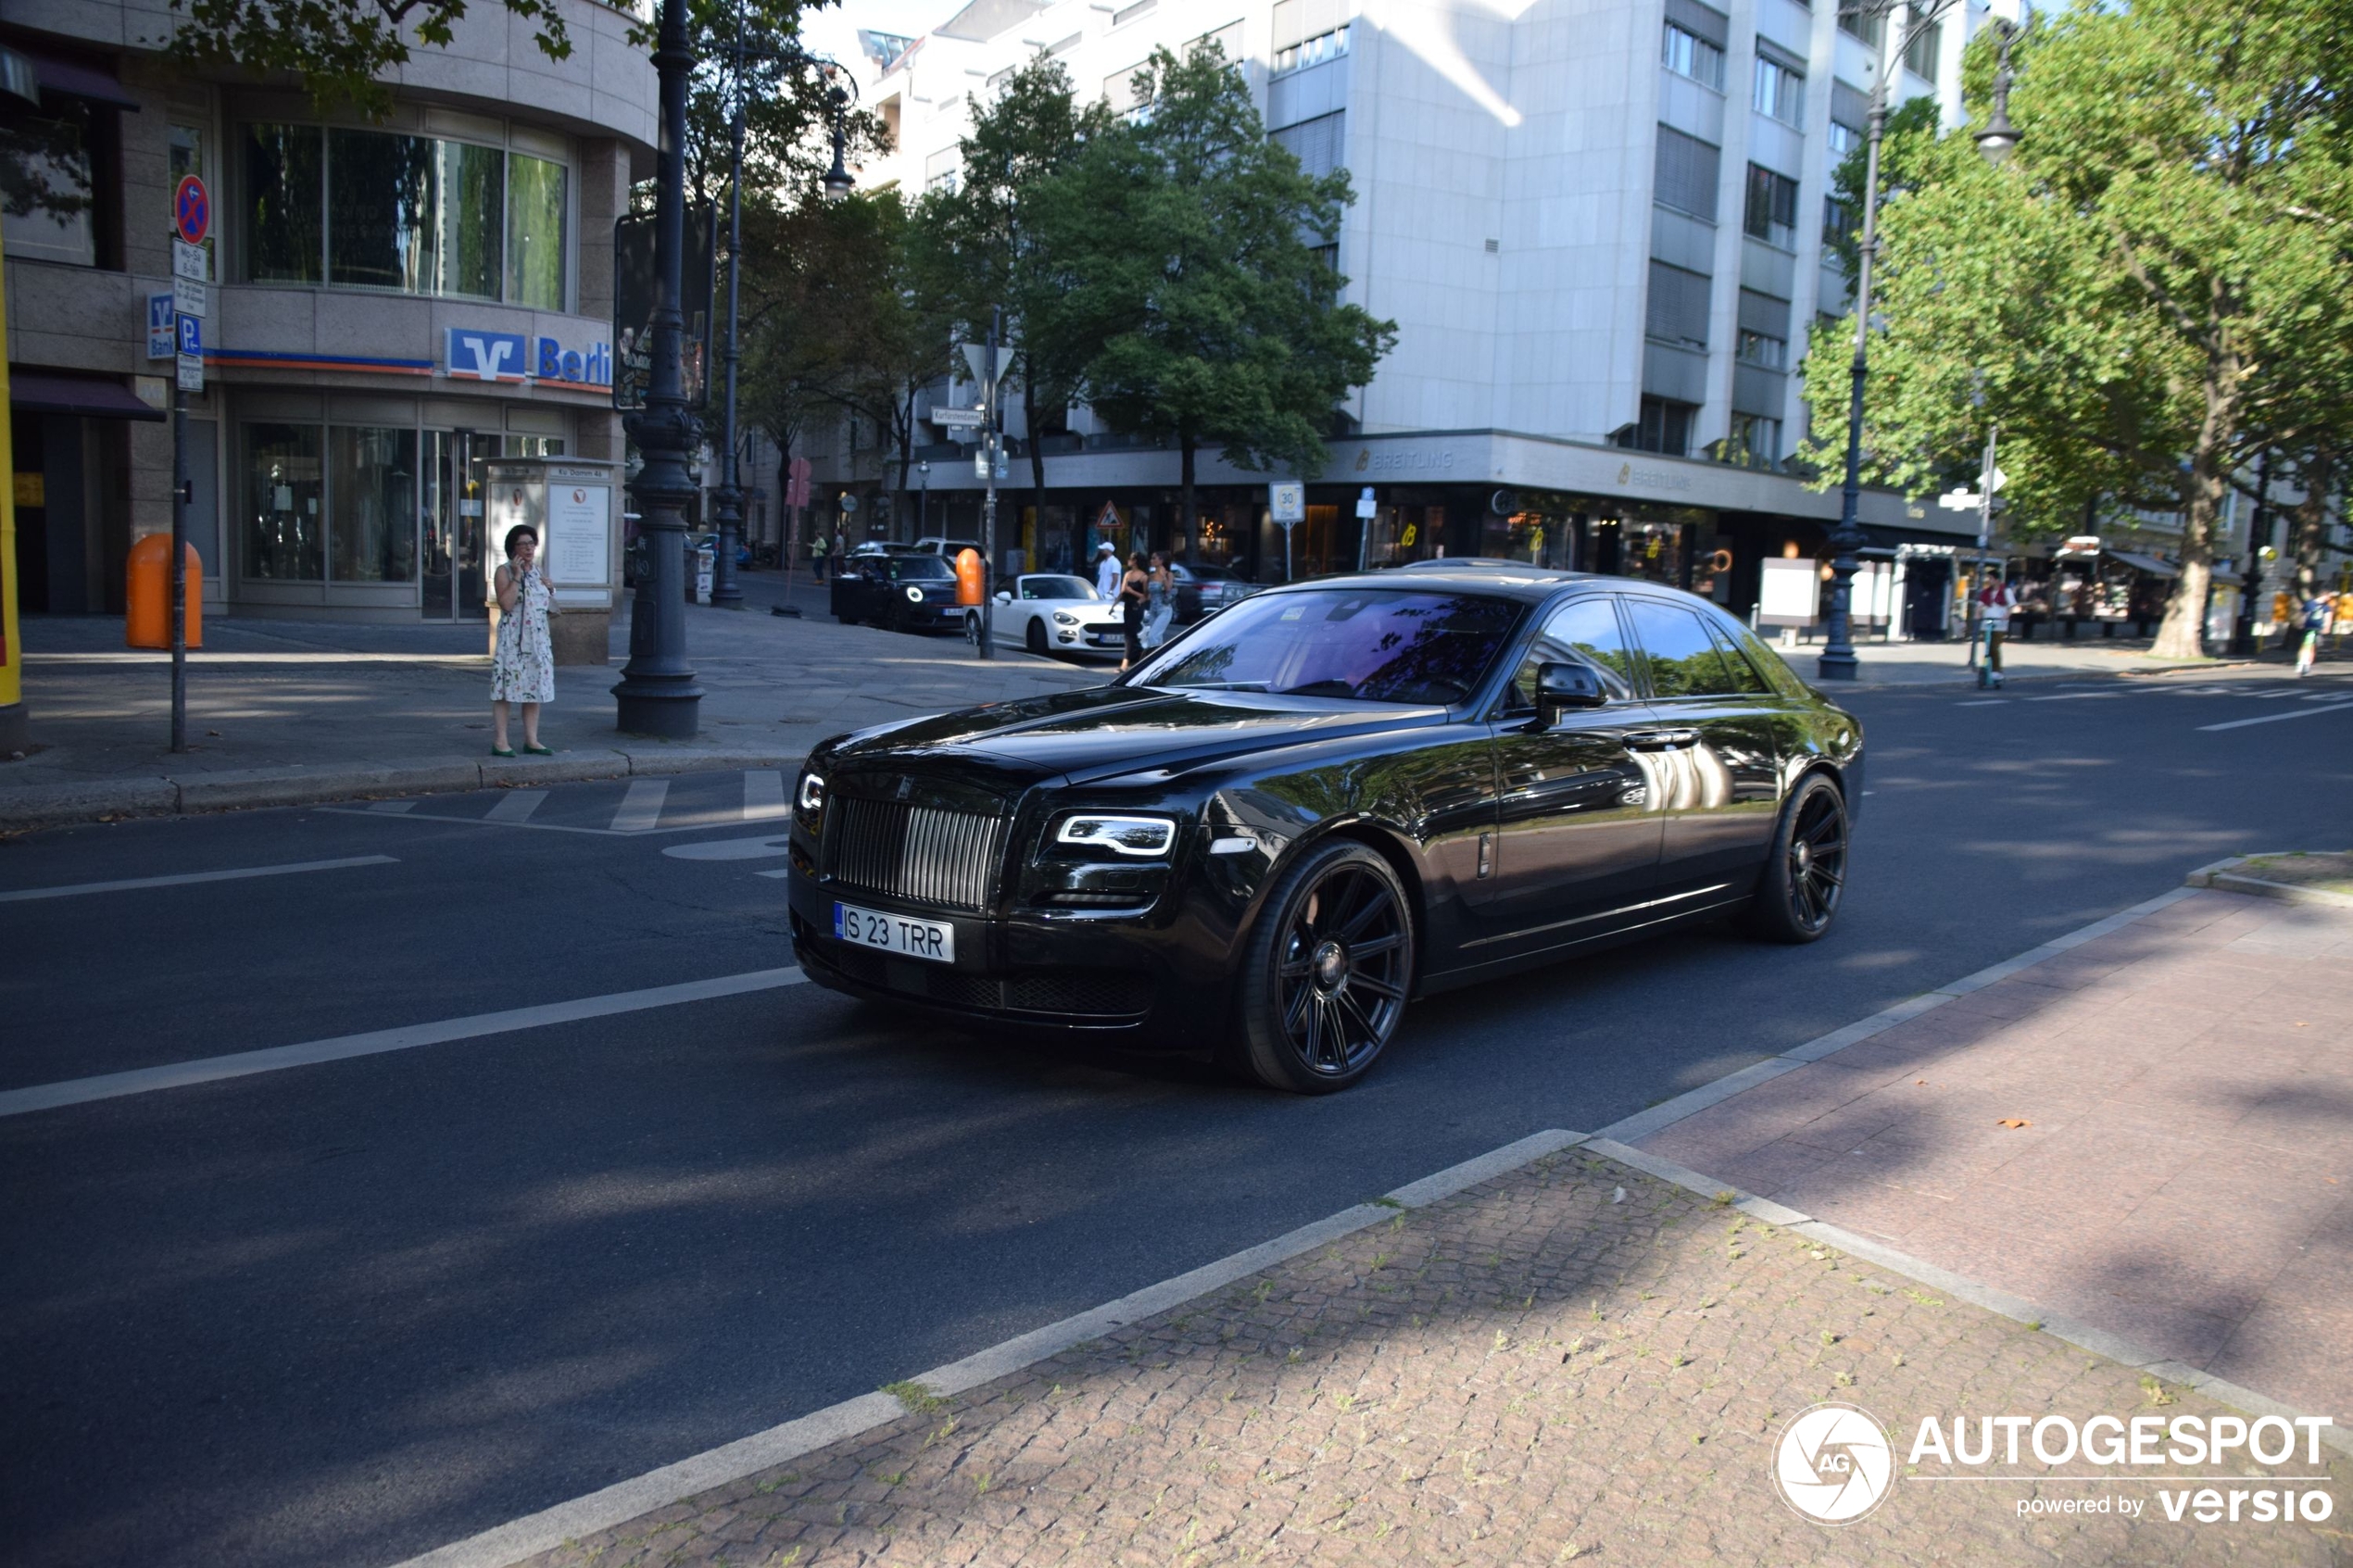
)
(2098, 1341)
(66, 804)
(534, 1533)
(2222, 877)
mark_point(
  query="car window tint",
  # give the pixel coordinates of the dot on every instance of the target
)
(1745, 678)
(1584, 632)
(1373, 645)
(1776, 671)
(929, 568)
(1682, 655)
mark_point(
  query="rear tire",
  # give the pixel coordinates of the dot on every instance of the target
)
(1325, 972)
(1805, 875)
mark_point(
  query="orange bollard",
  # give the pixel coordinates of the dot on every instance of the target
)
(147, 622)
(968, 583)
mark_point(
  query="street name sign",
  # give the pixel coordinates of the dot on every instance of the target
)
(956, 418)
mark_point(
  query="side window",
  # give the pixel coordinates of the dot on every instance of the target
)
(1745, 680)
(1584, 632)
(1682, 655)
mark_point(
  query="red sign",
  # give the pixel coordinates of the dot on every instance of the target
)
(192, 210)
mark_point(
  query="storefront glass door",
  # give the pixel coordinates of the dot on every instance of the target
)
(452, 524)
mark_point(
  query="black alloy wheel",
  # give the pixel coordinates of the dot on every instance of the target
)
(1327, 971)
(1034, 639)
(1798, 895)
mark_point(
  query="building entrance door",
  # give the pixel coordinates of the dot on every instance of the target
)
(453, 469)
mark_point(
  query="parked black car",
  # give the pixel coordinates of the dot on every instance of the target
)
(905, 593)
(1324, 801)
(1206, 590)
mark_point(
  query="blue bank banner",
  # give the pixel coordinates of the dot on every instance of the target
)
(474, 353)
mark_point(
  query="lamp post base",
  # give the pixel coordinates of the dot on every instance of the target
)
(1838, 666)
(661, 710)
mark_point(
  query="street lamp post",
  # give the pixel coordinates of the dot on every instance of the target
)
(922, 499)
(657, 694)
(1996, 140)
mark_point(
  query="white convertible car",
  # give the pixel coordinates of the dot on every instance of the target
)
(1050, 613)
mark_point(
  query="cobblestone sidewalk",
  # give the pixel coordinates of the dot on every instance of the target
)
(1570, 1361)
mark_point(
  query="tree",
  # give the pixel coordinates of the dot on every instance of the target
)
(1188, 286)
(993, 244)
(2141, 297)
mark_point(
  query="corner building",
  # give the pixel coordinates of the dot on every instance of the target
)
(394, 305)
(1600, 228)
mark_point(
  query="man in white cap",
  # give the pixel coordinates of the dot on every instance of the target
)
(1107, 570)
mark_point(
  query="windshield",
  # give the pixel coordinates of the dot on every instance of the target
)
(1373, 645)
(902, 567)
(1056, 588)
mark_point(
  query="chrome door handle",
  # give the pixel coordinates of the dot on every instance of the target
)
(1660, 740)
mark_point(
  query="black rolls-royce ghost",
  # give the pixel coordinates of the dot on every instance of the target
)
(1266, 839)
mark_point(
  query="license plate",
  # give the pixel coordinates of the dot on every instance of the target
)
(896, 934)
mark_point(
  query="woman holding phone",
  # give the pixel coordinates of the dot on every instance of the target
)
(523, 665)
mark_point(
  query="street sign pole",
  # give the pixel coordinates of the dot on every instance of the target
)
(1977, 661)
(190, 220)
(989, 439)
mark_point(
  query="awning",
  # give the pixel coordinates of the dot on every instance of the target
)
(93, 84)
(2149, 564)
(40, 392)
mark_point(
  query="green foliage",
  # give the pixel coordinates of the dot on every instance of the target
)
(788, 117)
(1186, 282)
(2154, 289)
(1911, 131)
(338, 48)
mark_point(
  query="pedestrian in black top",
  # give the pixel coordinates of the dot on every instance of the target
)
(1135, 593)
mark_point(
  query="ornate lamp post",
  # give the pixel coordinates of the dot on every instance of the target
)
(658, 695)
(1997, 141)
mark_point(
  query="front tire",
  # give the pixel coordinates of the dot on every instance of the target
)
(1326, 971)
(1034, 639)
(1804, 876)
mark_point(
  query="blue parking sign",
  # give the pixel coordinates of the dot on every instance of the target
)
(191, 334)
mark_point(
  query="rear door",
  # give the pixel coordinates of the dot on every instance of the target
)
(1577, 822)
(1716, 739)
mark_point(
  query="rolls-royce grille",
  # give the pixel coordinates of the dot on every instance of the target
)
(917, 852)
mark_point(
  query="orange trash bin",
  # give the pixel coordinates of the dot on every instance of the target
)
(147, 622)
(968, 583)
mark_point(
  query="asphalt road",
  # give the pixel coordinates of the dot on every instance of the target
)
(342, 1314)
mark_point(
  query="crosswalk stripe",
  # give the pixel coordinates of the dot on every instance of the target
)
(2276, 718)
(393, 808)
(763, 794)
(516, 806)
(641, 808)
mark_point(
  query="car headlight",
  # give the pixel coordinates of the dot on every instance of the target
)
(1064, 618)
(914, 596)
(1142, 837)
(812, 793)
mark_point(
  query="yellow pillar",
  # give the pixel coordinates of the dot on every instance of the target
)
(12, 719)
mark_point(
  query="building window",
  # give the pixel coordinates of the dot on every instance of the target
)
(1757, 348)
(1771, 210)
(1870, 26)
(1318, 143)
(372, 500)
(1687, 54)
(1780, 91)
(1838, 221)
(1127, 14)
(1756, 441)
(285, 538)
(372, 209)
(1686, 174)
(52, 178)
(1844, 139)
(1311, 51)
(1921, 46)
(1678, 307)
(1665, 427)
(941, 168)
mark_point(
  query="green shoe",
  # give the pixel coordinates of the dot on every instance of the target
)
(501, 751)
(539, 750)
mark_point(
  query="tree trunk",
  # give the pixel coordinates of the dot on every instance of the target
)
(1186, 518)
(2311, 527)
(903, 416)
(1036, 453)
(2179, 635)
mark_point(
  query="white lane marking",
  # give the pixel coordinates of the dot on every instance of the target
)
(26, 894)
(2071, 697)
(731, 849)
(763, 794)
(623, 1501)
(516, 806)
(211, 1068)
(1983, 702)
(2276, 718)
(786, 871)
(394, 808)
(641, 808)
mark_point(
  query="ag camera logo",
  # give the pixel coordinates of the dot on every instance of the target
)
(1834, 1464)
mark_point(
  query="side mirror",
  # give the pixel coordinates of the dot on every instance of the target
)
(1004, 598)
(1563, 686)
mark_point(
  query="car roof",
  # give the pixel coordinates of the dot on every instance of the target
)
(1510, 579)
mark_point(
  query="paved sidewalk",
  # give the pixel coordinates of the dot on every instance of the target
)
(282, 713)
(1571, 1361)
(2151, 1133)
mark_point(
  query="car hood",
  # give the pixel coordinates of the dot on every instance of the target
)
(1106, 730)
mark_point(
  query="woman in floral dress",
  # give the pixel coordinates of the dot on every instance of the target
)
(522, 667)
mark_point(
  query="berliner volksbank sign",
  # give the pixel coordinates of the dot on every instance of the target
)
(474, 355)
